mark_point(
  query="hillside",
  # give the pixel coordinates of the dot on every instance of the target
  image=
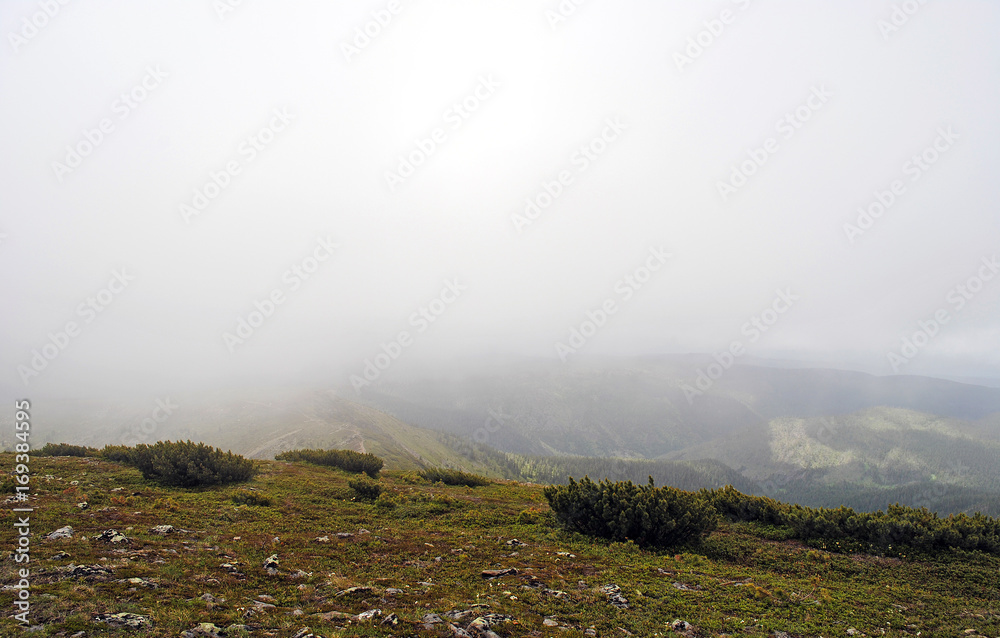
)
(257, 424)
(638, 407)
(421, 562)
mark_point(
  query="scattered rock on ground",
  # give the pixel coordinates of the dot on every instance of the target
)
(162, 530)
(614, 594)
(369, 615)
(271, 564)
(496, 573)
(62, 532)
(111, 536)
(124, 619)
(204, 630)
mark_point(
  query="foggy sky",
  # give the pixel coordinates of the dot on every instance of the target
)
(292, 120)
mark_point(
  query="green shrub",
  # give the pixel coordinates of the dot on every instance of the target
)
(454, 477)
(347, 460)
(118, 454)
(739, 507)
(249, 497)
(184, 463)
(65, 449)
(648, 515)
(387, 500)
(366, 489)
(899, 526)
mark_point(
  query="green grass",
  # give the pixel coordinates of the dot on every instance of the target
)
(744, 579)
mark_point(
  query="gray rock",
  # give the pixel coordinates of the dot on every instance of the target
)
(62, 532)
(354, 590)
(204, 630)
(497, 573)
(391, 620)
(371, 614)
(124, 619)
(614, 594)
(112, 536)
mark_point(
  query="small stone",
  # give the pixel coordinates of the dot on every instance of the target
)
(548, 622)
(370, 614)
(614, 594)
(204, 630)
(84, 505)
(430, 620)
(124, 619)
(271, 563)
(161, 530)
(62, 532)
(496, 573)
(391, 620)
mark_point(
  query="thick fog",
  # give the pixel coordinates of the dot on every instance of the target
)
(216, 192)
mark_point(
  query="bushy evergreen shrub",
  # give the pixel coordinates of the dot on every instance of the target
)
(365, 489)
(454, 477)
(65, 449)
(347, 460)
(184, 463)
(250, 497)
(898, 526)
(648, 515)
(118, 454)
